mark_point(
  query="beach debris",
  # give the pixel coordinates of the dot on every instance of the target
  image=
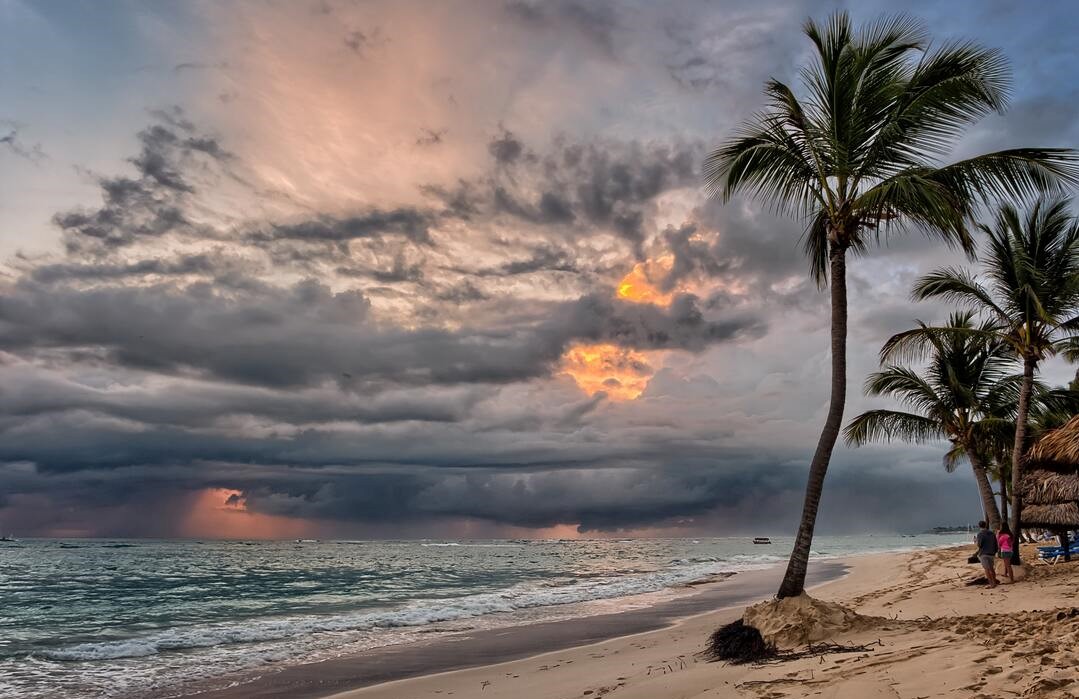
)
(738, 643)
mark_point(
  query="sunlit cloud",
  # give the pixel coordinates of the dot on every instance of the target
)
(642, 283)
(619, 372)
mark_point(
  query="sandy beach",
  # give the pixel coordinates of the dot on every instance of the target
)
(927, 634)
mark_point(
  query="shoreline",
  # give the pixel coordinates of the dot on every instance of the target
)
(472, 650)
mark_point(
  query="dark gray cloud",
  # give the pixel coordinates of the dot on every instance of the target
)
(662, 482)
(598, 187)
(151, 204)
(506, 149)
(360, 42)
(600, 318)
(306, 333)
(543, 258)
(201, 264)
(465, 292)
(594, 22)
(411, 224)
(401, 270)
(16, 145)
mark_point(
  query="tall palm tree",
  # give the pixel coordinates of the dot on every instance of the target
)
(857, 154)
(959, 396)
(1031, 263)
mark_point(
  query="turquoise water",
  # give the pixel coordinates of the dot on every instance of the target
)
(140, 618)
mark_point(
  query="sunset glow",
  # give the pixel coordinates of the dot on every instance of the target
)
(641, 285)
(221, 513)
(621, 373)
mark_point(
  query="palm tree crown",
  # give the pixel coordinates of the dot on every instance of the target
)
(861, 150)
(1032, 265)
(965, 395)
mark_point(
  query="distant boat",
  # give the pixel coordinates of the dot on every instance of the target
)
(761, 540)
(8, 537)
(307, 541)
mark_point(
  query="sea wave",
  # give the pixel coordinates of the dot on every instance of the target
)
(518, 597)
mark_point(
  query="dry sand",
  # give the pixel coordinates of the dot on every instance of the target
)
(928, 635)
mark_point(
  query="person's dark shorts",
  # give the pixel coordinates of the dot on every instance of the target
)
(986, 561)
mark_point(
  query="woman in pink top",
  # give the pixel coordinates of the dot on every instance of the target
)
(1004, 543)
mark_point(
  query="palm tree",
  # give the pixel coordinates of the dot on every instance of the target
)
(959, 398)
(1048, 409)
(858, 154)
(1032, 267)
(999, 470)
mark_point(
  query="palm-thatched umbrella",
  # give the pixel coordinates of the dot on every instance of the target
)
(1050, 487)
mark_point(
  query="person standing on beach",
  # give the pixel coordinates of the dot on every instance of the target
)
(1004, 540)
(987, 551)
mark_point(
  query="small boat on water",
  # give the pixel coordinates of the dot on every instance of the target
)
(8, 537)
(761, 540)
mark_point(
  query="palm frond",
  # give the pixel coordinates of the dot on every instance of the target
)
(954, 457)
(958, 286)
(1019, 172)
(770, 163)
(887, 425)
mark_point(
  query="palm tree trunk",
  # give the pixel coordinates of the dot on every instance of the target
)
(1004, 504)
(794, 579)
(1029, 363)
(981, 476)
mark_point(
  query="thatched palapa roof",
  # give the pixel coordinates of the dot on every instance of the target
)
(1047, 487)
(1059, 515)
(1050, 487)
(1057, 450)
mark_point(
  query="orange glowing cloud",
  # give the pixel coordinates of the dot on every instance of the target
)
(221, 513)
(641, 285)
(619, 372)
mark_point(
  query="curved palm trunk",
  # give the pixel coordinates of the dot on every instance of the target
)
(794, 579)
(981, 476)
(1020, 446)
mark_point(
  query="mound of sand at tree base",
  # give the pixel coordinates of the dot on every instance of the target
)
(796, 621)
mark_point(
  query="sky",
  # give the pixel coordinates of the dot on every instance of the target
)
(412, 269)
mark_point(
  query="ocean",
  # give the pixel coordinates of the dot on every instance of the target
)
(138, 618)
